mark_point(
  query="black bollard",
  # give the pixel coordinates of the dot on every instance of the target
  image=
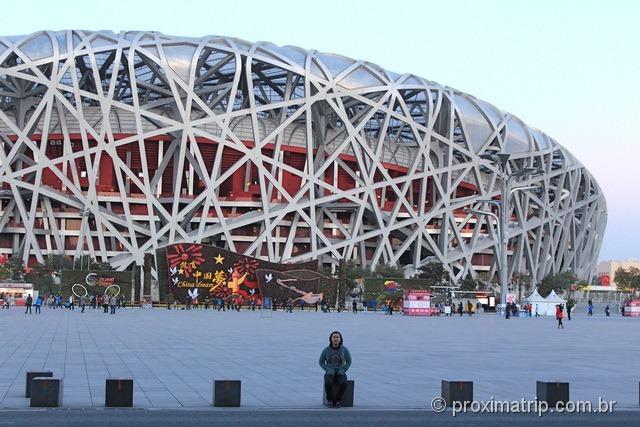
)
(33, 374)
(552, 392)
(226, 393)
(347, 397)
(46, 392)
(118, 393)
(456, 391)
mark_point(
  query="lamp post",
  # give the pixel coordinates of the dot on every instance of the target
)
(506, 191)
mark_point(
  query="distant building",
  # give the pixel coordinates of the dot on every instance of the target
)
(606, 272)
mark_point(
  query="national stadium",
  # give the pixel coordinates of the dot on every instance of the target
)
(117, 144)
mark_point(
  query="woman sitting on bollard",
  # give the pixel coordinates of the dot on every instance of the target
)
(335, 361)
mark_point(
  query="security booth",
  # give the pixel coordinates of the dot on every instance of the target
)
(16, 293)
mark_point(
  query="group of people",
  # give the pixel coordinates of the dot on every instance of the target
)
(109, 303)
(7, 300)
(450, 308)
(511, 310)
(236, 303)
(29, 302)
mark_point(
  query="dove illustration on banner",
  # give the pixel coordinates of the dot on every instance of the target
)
(268, 277)
(175, 280)
(173, 270)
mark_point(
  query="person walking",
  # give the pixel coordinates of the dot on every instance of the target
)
(469, 307)
(354, 306)
(590, 305)
(28, 304)
(335, 360)
(83, 302)
(113, 302)
(105, 303)
(559, 316)
(71, 303)
(460, 308)
(38, 304)
(607, 311)
(289, 305)
(569, 308)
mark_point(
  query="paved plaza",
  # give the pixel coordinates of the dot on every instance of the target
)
(398, 361)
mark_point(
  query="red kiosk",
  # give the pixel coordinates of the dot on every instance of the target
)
(417, 302)
(17, 292)
(633, 309)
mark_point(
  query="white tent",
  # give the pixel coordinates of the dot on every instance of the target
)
(552, 300)
(541, 305)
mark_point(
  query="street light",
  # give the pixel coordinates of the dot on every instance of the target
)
(506, 191)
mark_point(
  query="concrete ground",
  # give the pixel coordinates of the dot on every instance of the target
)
(398, 361)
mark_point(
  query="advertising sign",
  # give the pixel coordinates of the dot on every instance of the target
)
(215, 272)
(89, 282)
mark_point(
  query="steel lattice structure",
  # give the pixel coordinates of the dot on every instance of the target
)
(117, 144)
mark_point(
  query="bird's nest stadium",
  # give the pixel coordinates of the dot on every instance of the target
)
(116, 144)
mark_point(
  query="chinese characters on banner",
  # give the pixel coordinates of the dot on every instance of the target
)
(210, 272)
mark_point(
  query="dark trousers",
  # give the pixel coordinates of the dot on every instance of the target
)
(113, 309)
(334, 387)
(105, 307)
(28, 310)
(37, 309)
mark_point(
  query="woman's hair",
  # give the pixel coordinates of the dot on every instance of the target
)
(331, 334)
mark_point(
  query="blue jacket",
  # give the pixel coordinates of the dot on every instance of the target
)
(327, 366)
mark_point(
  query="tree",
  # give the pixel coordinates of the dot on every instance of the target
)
(5, 273)
(58, 263)
(355, 271)
(40, 276)
(557, 282)
(434, 273)
(15, 267)
(83, 262)
(101, 266)
(522, 281)
(628, 279)
(469, 283)
(389, 271)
